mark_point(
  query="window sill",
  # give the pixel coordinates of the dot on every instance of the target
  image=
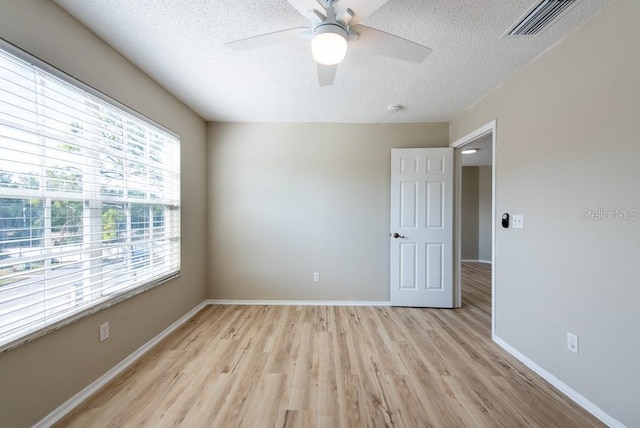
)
(87, 312)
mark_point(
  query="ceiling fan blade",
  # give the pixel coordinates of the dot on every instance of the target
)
(269, 39)
(304, 6)
(386, 44)
(361, 8)
(326, 74)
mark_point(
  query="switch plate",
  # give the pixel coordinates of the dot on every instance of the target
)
(572, 342)
(517, 221)
(104, 331)
(316, 277)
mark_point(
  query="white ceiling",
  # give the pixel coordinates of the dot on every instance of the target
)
(181, 45)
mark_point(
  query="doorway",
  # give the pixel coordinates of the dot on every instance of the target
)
(474, 235)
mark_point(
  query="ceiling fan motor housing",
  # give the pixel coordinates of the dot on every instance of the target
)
(331, 27)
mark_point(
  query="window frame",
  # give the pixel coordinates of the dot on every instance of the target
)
(109, 301)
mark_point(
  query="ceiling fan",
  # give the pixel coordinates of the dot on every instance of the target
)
(332, 29)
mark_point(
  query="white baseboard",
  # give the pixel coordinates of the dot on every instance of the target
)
(563, 387)
(74, 401)
(298, 302)
(477, 261)
(78, 398)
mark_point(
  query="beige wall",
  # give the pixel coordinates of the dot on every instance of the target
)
(484, 213)
(476, 213)
(567, 140)
(37, 377)
(287, 200)
(469, 213)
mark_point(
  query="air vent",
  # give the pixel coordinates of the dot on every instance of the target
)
(539, 17)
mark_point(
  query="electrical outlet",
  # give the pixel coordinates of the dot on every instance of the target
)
(316, 277)
(104, 331)
(572, 342)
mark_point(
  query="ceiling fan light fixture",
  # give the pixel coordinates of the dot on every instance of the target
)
(329, 44)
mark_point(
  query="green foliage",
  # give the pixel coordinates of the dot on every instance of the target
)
(112, 223)
(64, 179)
(66, 216)
(25, 180)
(20, 222)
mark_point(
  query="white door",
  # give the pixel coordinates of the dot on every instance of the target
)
(422, 227)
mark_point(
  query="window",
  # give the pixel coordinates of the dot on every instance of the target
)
(89, 200)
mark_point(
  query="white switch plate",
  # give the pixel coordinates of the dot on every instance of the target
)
(572, 342)
(518, 221)
(316, 277)
(104, 331)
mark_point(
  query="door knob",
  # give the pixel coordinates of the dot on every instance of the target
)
(397, 235)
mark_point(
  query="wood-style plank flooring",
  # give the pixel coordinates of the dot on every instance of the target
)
(306, 366)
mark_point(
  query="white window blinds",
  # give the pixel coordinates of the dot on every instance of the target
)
(89, 201)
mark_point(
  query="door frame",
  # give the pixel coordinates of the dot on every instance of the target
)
(457, 212)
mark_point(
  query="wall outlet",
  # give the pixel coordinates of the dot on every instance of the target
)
(316, 277)
(572, 342)
(104, 331)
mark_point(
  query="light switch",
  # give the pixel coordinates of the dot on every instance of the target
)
(517, 221)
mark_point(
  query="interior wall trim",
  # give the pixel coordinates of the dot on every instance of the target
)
(73, 402)
(299, 302)
(85, 393)
(578, 398)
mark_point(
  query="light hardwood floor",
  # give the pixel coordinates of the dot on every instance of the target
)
(306, 366)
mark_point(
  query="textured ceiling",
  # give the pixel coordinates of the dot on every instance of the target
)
(181, 45)
(483, 157)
